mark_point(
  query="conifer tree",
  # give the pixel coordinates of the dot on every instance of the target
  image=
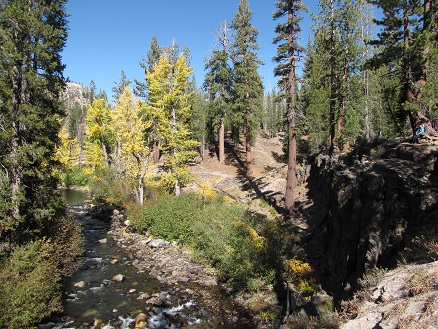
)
(247, 83)
(218, 83)
(405, 27)
(129, 129)
(169, 108)
(119, 86)
(288, 50)
(33, 34)
(152, 57)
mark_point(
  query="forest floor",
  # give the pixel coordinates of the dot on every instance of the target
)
(267, 181)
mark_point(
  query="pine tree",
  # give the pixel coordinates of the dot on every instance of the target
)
(405, 27)
(119, 86)
(247, 83)
(152, 57)
(335, 94)
(288, 50)
(199, 121)
(33, 34)
(218, 83)
(315, 91)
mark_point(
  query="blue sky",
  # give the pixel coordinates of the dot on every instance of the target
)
(106, 36)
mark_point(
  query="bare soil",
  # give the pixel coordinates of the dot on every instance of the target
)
(267, 180)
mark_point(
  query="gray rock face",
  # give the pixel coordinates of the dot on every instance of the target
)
(364, 211)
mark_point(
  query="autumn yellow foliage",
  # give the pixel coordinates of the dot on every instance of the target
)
(299, 268)
(258, 241)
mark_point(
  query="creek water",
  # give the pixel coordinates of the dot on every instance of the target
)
(100, 302)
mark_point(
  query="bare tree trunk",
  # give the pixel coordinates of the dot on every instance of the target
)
(343, 96)
(248, 149)
(224, 41)
(332, 115)
(222, 138)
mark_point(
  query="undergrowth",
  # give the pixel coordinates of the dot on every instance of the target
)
(247, 248)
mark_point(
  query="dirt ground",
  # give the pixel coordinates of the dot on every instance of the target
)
(267, 180)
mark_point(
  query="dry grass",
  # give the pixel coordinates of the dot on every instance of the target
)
(430, 307)
(423, 281)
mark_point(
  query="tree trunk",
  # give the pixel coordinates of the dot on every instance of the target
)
(222, 138)
(156, 151)
(289, 197)
(15, 180)
(332, 115)
(248, 149)
(177, 188)
(343, 97)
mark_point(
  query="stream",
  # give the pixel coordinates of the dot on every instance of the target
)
(92, 299)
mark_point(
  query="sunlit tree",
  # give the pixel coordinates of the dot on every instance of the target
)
(169, 108)
(288, 50)
(247, 83)
(129, 128)
(99, 131)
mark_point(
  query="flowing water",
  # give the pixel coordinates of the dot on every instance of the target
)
(93, 300)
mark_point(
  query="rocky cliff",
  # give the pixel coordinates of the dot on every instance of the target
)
(75, 94)
(370, 209)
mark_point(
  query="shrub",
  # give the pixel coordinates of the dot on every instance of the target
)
(29, 286)
(75, 177)
(101, 182)
(169, 217)
(244, 246)
(67, 243)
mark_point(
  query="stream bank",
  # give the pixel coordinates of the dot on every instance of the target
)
(124, 274)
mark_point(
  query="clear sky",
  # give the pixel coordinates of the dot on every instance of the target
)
(106, 36)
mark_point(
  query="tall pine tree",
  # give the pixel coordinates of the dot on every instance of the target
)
(408, 30)
(33, 34)
(247, 83)
(218, 83)
(288, 51)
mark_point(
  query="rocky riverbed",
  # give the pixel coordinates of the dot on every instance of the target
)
(185, 281)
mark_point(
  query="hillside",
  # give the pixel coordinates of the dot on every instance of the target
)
(359, 213)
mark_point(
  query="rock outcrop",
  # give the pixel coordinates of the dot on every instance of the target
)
(75, 94)
(364, 209)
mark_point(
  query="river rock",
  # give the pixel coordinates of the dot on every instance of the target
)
(118, 278)
(157, 243)
(156, 301)
(103, 240)
(79, 284)
(114, 261)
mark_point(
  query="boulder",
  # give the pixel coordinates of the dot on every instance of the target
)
(157, 243)
(118, 278)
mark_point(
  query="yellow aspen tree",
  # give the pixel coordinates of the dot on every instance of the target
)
(130, 129)
(99, 130)
(169, 105)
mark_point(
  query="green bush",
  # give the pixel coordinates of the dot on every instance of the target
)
(169, 217)
(75, 177)
(102, 181)
(216, 231)
(29, 286)
(30, 277)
